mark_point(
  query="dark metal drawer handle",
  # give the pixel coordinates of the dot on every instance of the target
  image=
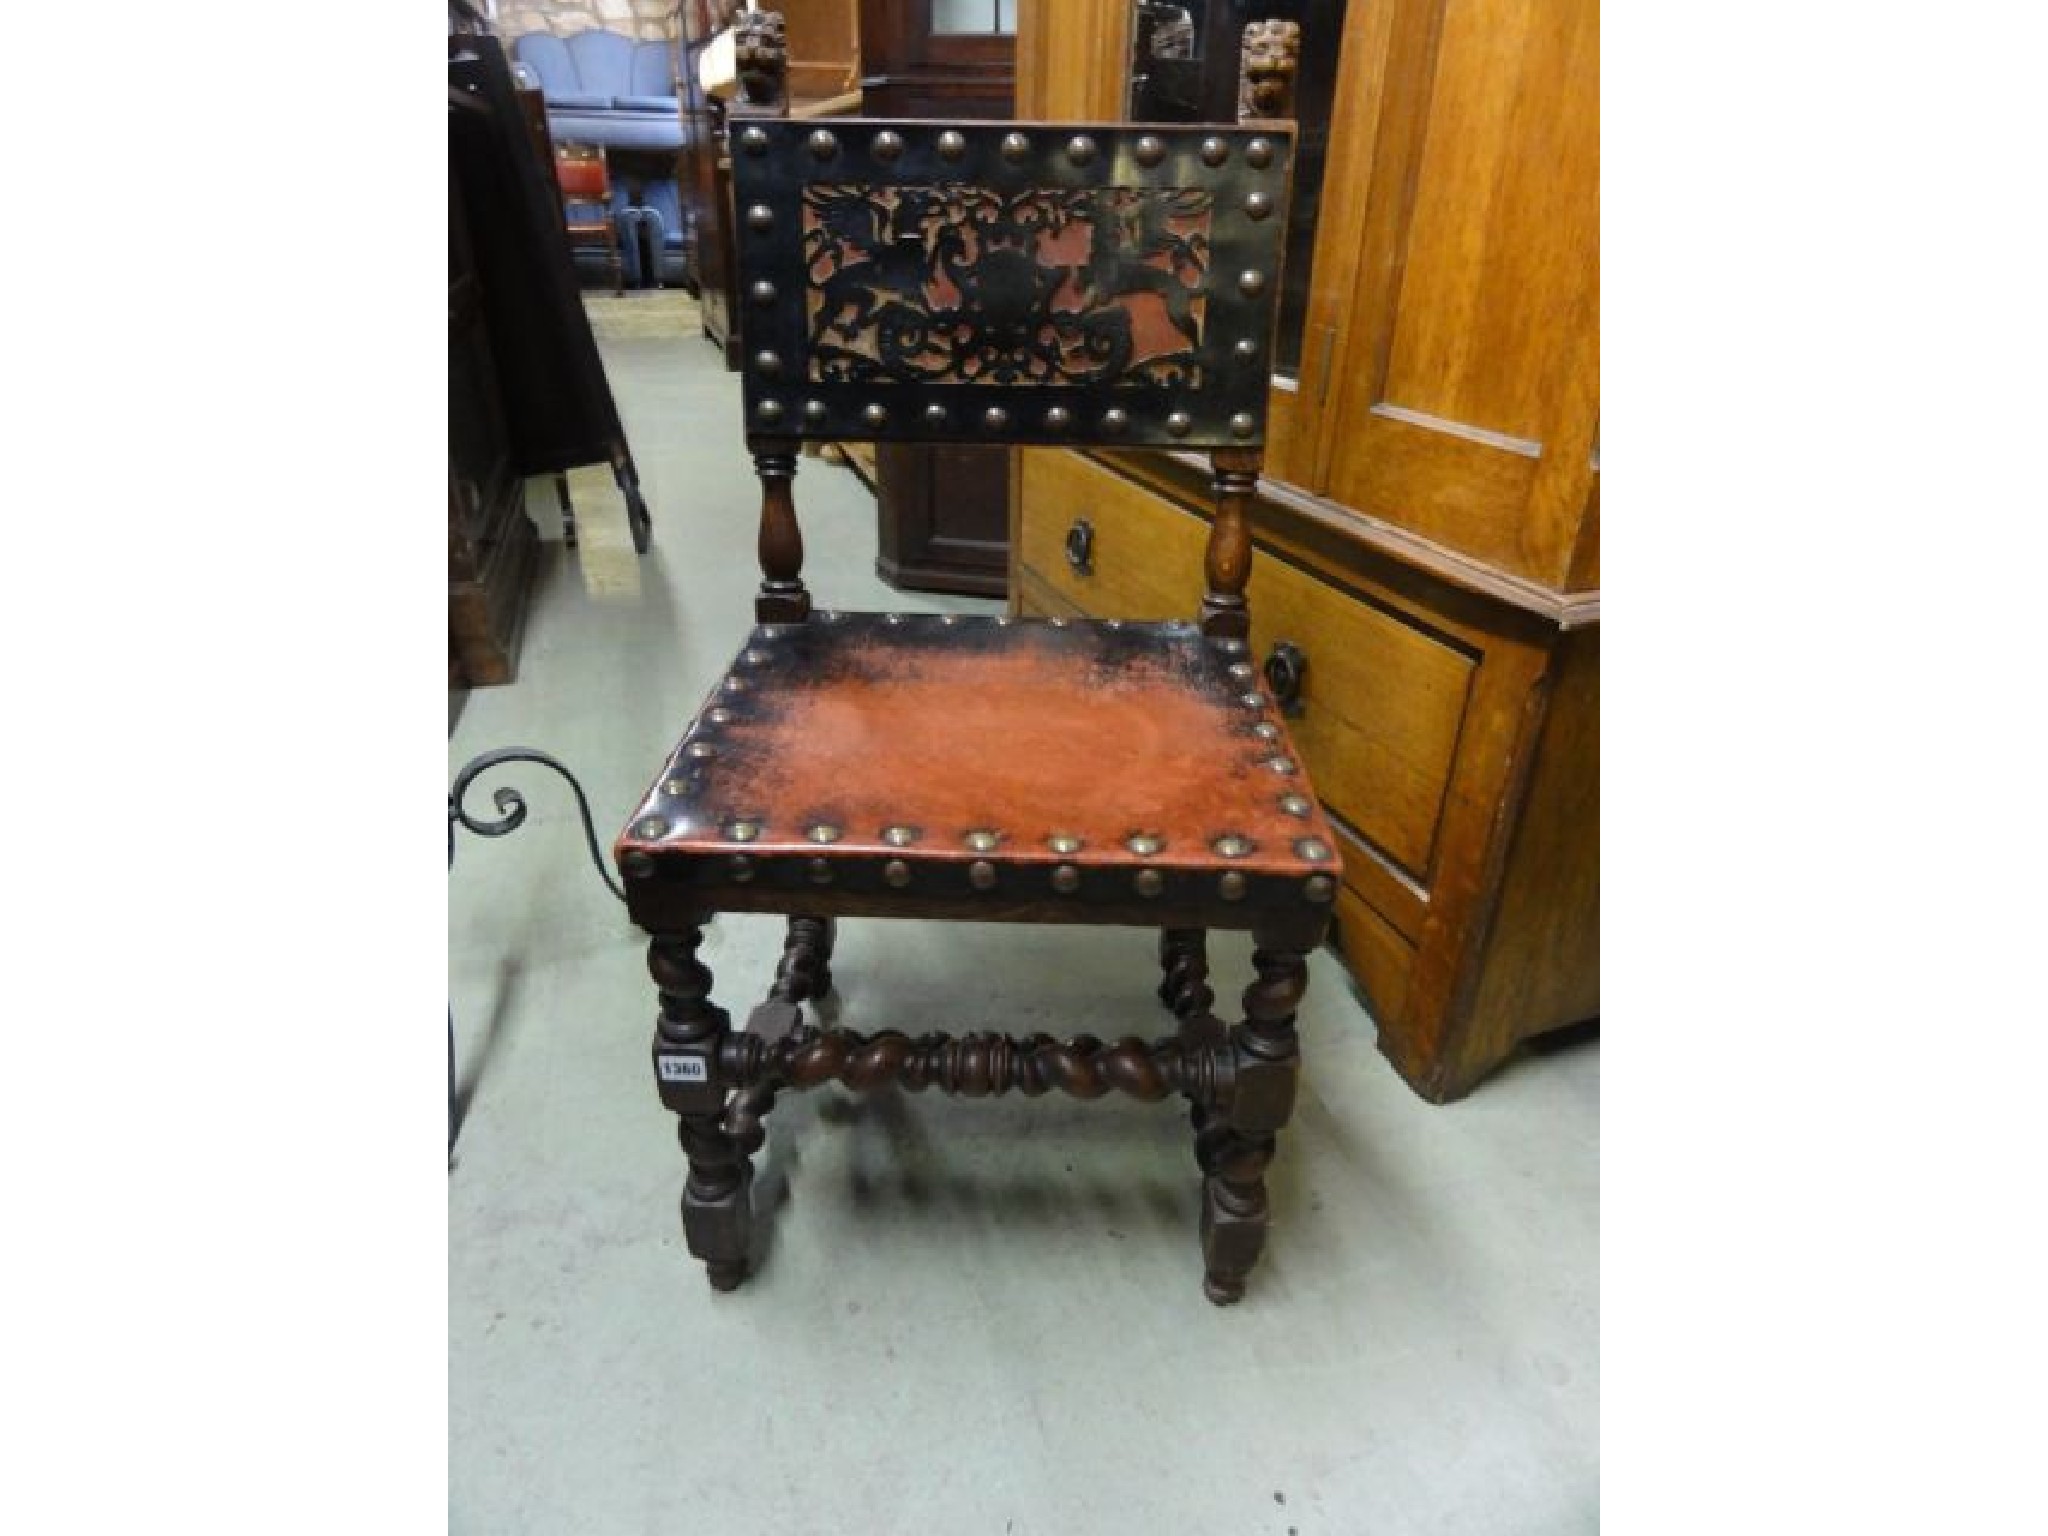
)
(1286, 667)
(1081, 546)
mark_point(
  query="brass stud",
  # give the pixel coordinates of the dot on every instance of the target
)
(1064, 843)
(900, 836)
(1149, 882)
(769, 410)
(1229, 645)
(814, 411)
(1151, 150)
(1115, 419)
(952, 145)
(1319, 888)
(823, 144)
(763, 292)
(982, 840)
(1251, 701)
(701, 750)
(719, 716)
(820, 871)
(995, 418)
(1314, 849)
(1266, 730)
(1242, 671)
(1281, 765)
(753, 656)
(1246, 348)
(1179, 422)
(828, 615)
(650, 827)
(1242, 424)
(740, 868)
(1057, 623)
(637, 864)
(1295, 805)
(742, 831)
(1258, 205)
(753, 141)
(1214, 151)
(1080, 149)
(674, 787)
(823, 832)
(887, 145)
(1259, 154)
(760, 217)
(1233, 845)
(875, 415)
(1251, 282)
(892, 619)
(1057, 418)
(1066, 879)
(1015, 147)
(1231, 887)
(935, 415)
(981, 875)
(897, 873)
(734, 684)
(1144, 844)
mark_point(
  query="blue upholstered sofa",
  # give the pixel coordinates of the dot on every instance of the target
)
(602, 88)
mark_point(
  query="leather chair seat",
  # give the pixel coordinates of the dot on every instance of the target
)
(904, 757)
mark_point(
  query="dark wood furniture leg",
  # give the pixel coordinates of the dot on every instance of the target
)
(1234, 1147)
(689, 1040)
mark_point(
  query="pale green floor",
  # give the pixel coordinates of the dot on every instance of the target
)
(968, 1317)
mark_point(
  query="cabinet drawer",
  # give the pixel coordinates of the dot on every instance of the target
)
(1382, 697)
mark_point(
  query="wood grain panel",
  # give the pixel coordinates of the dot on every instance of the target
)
(1377, 954)
(1542, 963)
(1072, 60)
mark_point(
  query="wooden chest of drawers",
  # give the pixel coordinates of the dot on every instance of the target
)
(1453, 736)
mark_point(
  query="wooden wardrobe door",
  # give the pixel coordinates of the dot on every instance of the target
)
(1467, 383)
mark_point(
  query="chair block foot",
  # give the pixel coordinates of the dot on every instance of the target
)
(1223, 1292)
(726, 1277)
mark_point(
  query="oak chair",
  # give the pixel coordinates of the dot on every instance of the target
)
(587, 215)
(1026, 284)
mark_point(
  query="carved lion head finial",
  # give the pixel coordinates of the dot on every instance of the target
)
(760, 56)
(1270, 57)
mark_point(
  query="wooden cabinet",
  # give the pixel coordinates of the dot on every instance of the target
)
(1428, 531)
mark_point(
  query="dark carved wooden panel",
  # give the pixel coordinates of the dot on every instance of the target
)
(1096, 285)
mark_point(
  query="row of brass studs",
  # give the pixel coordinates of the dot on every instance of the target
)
(1231, 845)
(887, 146)
(1065, 879)
(996, 419)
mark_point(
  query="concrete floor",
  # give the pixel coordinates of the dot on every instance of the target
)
(967, 1317)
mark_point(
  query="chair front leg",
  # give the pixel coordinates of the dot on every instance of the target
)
(688, 1040)
(1234, 1145)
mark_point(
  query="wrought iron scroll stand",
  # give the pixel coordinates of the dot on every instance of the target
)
(511, 816)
